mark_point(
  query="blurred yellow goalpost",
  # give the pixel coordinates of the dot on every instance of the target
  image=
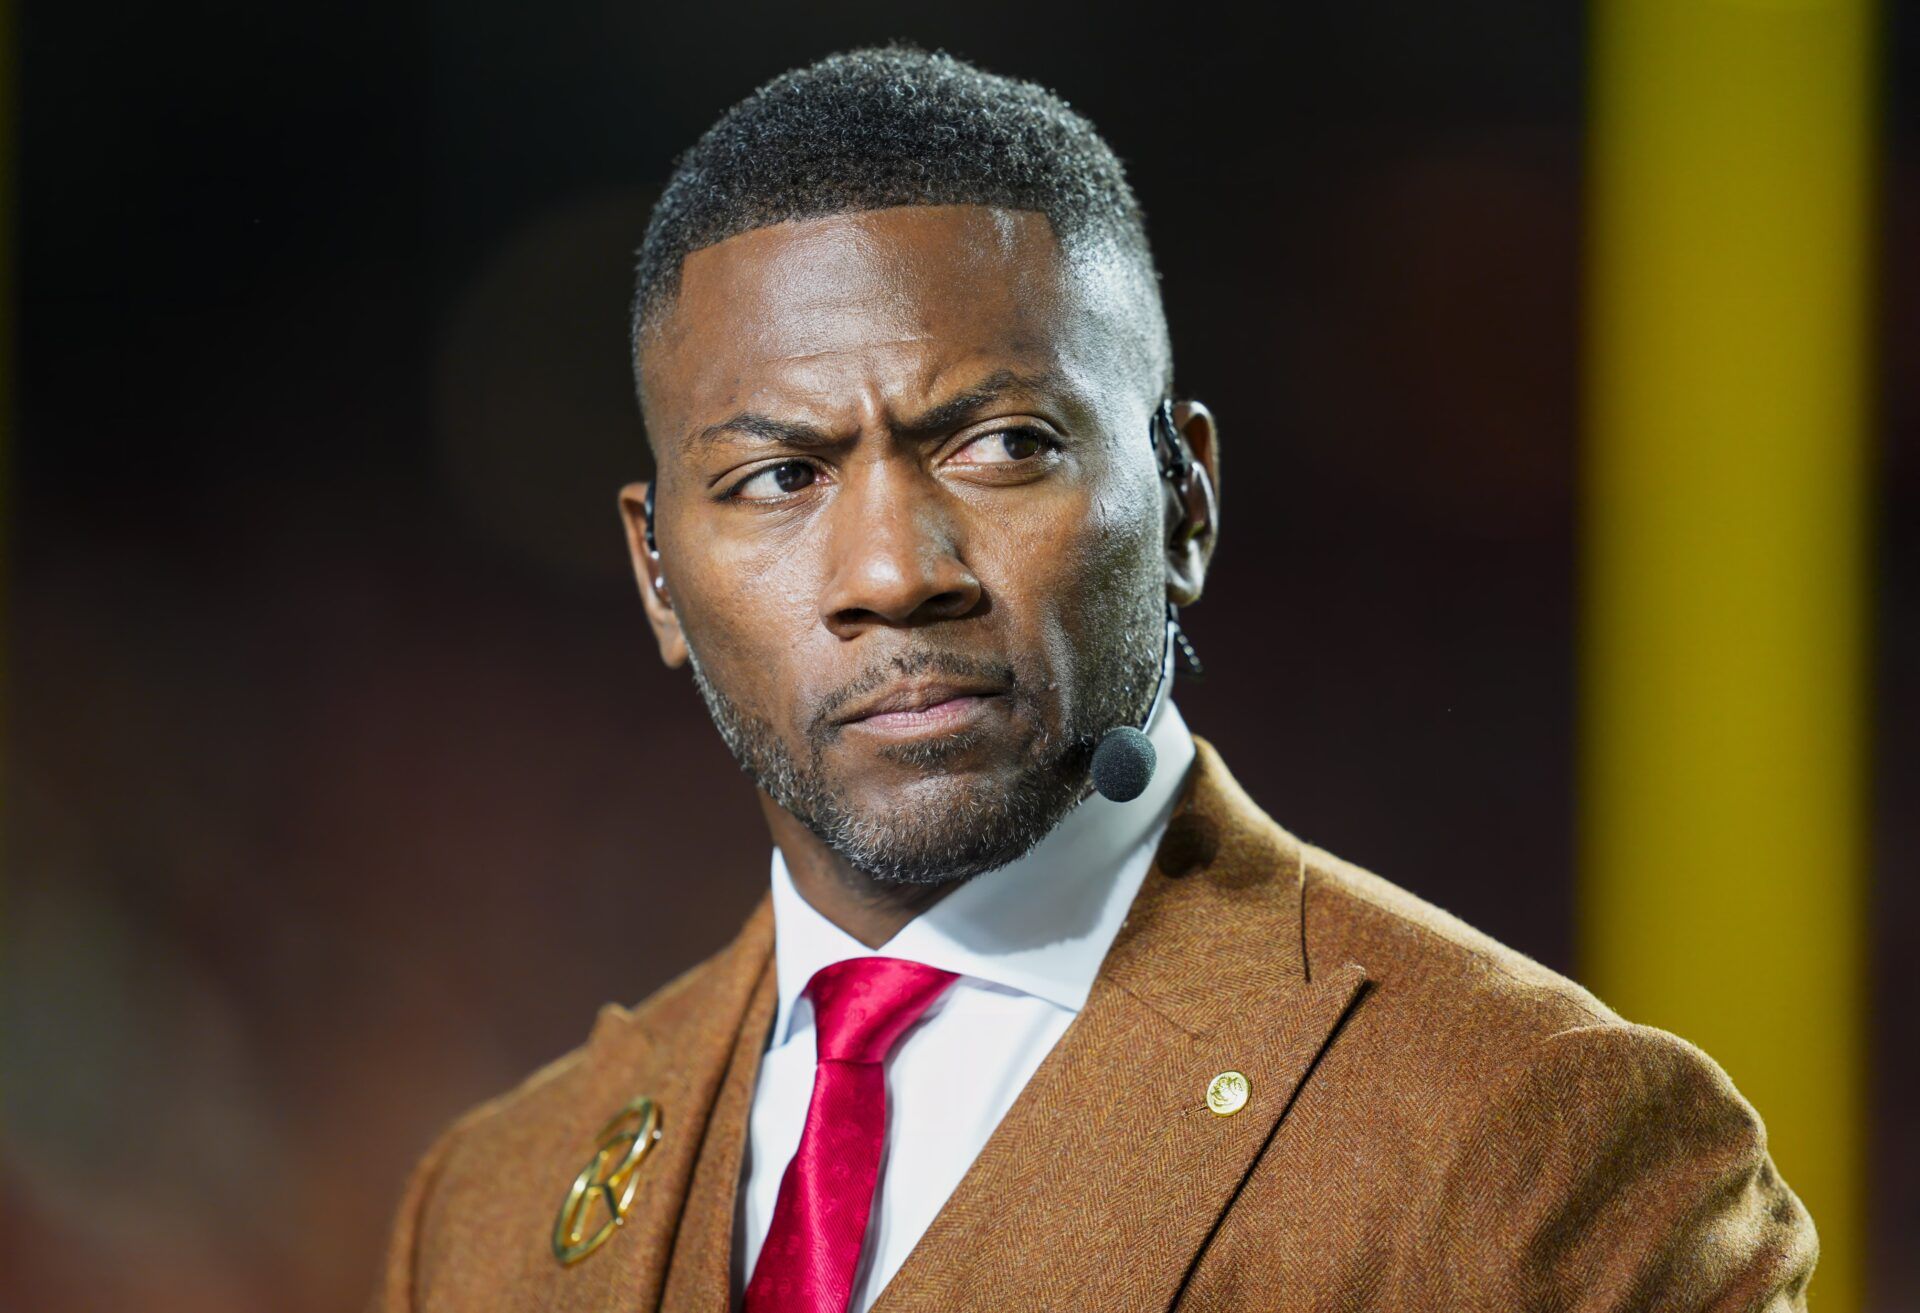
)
(1723, 771)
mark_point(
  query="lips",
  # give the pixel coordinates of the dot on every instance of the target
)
(912, 697)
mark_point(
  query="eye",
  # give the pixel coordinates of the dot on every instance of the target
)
(1006, 447)
(775, 482)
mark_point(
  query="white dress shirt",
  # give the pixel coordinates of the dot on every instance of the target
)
(1025, 941)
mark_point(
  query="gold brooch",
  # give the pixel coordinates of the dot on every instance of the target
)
(610, 1178)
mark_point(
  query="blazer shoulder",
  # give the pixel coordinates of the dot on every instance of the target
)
(1626, 1160)
(1512, 1090)
(517, 1136)
(421, 1236)
(1431, 975)
(617, 1030)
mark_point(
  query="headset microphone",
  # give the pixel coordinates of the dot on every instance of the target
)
(1123, 764)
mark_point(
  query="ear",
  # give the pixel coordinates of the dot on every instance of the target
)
(1193, 504)
(651, 577)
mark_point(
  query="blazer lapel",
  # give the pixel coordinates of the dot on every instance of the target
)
(1103, 1183)
(692, 1048)
(701, 1277)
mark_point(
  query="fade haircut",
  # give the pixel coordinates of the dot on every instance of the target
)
(894, 125)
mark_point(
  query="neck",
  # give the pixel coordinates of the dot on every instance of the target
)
(869, 910)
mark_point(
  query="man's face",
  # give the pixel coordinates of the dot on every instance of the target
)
(911, 533)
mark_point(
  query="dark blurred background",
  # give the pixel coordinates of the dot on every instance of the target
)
(343, 782)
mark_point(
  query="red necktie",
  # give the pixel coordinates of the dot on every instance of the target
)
(861, 1008)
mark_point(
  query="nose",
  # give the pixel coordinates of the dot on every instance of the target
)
(894, 555)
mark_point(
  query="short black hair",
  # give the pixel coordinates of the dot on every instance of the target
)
(886, 126)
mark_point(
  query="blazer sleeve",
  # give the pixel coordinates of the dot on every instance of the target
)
(1616, 1168)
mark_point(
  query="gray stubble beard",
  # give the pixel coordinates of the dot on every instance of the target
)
(946, 840)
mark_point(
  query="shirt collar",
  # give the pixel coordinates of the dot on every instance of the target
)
(1040, 925)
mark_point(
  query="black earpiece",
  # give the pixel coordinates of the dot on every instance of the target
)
(1169, 448)
(1170, 453)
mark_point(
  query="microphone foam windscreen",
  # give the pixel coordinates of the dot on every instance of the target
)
(1123, 764)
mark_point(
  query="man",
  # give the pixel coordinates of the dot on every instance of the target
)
(921, 515)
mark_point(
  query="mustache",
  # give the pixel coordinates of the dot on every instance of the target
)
(901, 665)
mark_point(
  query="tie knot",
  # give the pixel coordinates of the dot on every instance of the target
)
(863, 1005)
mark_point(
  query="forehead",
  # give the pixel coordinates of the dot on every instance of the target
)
(875, 308)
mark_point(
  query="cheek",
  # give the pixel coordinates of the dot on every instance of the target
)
(749, 614)
(1113, 542)
(1074, 571)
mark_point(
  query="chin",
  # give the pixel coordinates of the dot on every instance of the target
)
(937, 827)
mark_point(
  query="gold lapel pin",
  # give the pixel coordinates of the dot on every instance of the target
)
(610, 1179)
(1227, 1093)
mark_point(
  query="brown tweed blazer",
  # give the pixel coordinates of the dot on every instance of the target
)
(1434, 1122)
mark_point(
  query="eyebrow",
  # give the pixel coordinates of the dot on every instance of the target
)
(948, 414)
